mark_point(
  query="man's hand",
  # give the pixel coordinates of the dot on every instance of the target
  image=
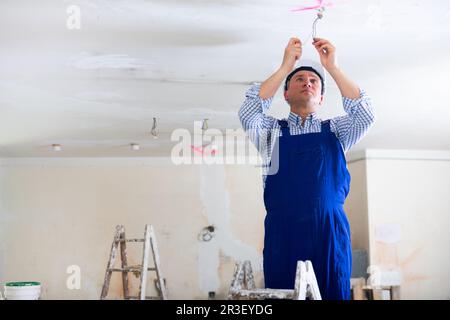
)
(292, 53)
(328, 59)
(327, 53)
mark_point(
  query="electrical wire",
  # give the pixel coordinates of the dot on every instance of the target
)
(313, 33)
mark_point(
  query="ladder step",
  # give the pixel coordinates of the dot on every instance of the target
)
(129, 269)
(130, 240)
(265, 294)
(146, 298)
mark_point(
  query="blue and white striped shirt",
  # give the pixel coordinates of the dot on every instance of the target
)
(262, 128)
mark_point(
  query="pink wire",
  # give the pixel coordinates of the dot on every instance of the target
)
(319, 4)
(198, 149)
(202, 150)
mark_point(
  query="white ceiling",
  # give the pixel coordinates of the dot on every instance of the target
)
(96, 90)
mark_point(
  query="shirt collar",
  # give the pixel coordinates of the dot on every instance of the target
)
(297, 120)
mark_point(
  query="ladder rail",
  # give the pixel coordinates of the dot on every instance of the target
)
(159, 276)
(123, 255)
(145, 254)
(312, 281)
(111, 260)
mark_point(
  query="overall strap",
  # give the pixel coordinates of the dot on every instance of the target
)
(284, 127)
(325, 127)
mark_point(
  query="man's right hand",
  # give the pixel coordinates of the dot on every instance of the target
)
(292, 53)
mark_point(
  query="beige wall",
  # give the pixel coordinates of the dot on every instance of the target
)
(409, 219)
(61, 212)
(399, 210)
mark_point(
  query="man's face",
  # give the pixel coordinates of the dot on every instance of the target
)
(304, 89)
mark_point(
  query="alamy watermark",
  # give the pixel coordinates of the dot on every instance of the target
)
(73, 281)
(73, 21)
(232, 146)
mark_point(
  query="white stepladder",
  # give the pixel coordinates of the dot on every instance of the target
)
(149, 243)
(243, 284)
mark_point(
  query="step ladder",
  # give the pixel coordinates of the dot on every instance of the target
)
(149, 244)
(243, 284)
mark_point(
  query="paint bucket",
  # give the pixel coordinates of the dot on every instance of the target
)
(22, 290)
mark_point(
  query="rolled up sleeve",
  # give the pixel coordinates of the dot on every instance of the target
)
(252, 115)
(359, 118)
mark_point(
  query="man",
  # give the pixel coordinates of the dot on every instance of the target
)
(304, 198)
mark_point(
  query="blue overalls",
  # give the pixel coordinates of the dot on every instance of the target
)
(305, 217)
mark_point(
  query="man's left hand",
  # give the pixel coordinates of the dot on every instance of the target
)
(327, 53)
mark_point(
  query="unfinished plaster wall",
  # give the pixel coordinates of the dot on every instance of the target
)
(409, 219)
(61, 212)
(54, 214)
